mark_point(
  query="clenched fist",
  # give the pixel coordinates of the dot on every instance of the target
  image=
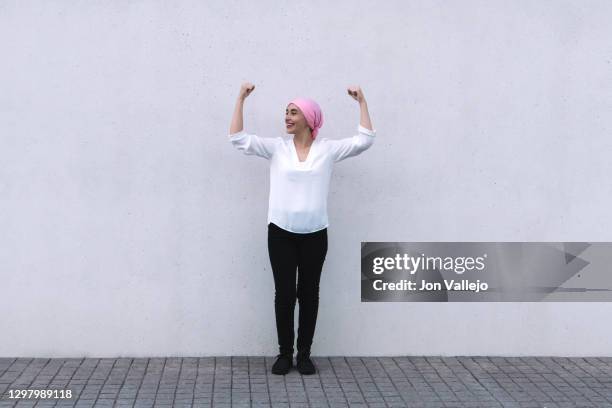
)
(356, 93)
(246, 89)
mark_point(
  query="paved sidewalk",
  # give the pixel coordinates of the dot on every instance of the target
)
(340, 382)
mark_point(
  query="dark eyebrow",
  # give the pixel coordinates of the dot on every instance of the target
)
(292, 110)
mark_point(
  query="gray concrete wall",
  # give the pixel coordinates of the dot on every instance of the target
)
(130, 226)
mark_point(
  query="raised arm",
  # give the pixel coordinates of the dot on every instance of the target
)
(364, 116)
(249, 144)
(237, 121)
(352, 146)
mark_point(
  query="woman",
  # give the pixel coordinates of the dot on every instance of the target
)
(300, 171)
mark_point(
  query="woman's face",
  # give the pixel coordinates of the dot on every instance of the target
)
(295, 121)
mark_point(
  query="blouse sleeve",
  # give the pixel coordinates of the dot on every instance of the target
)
(352, 146)
(251, 144)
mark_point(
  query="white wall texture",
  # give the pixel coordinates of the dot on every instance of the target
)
(129, 226)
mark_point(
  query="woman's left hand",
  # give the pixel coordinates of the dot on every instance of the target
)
(356, 93)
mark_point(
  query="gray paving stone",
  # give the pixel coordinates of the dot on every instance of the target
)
(245, 381)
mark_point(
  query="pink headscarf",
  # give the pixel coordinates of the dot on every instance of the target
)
(312, 112)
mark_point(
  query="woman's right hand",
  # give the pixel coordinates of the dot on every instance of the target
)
(245, 90)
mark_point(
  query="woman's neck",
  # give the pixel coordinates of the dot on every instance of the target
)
(304, 138)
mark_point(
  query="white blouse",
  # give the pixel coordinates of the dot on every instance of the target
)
(298, 190)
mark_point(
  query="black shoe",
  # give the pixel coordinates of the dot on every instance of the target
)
(283, 364)
(304, 364)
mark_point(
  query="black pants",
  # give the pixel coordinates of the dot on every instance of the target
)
(306, 252)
